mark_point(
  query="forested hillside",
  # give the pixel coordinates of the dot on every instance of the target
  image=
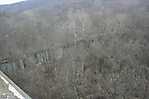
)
(77, 49)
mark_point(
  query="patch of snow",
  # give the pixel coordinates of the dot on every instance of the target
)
(15, 92)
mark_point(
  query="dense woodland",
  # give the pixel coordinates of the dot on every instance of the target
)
(78, 49)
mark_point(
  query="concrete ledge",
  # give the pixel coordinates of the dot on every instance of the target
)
(12, 87)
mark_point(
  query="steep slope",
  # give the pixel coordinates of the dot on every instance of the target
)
(77, 49)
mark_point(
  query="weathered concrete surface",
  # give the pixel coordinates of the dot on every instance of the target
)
(78, 49)
(8, 89)
(4, 91)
